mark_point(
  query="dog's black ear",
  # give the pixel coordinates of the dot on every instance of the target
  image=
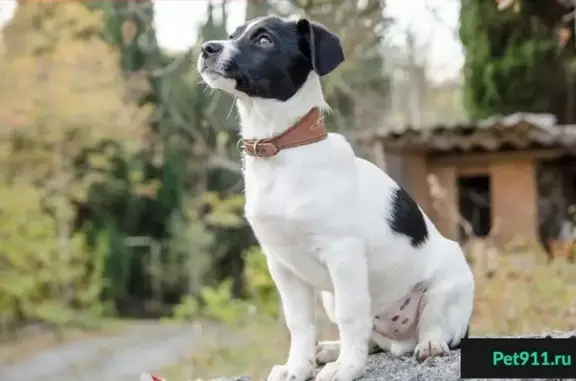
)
(323, 47)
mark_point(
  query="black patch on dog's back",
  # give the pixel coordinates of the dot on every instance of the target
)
(407, 219)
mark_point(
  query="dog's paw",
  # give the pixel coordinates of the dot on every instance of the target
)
(290, 373)
(401, 348)
(341, 371)
(430, 348)
(327, 351)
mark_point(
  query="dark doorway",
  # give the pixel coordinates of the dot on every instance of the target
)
(474, 200)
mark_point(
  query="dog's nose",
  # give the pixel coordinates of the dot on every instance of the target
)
(210, 48)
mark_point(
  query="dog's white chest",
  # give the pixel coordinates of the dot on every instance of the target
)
(285, 215)
(280, 193)
(296, 247)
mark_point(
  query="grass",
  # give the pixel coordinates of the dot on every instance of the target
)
(520, 293)
(25, 343)
(515, 294)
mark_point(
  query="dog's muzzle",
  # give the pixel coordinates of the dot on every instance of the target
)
(211, 49)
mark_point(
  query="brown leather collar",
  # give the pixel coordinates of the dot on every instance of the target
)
(309, 129)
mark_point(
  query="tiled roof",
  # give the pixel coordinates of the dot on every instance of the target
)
(519, 131)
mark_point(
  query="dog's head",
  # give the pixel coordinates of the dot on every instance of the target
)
(269, 58)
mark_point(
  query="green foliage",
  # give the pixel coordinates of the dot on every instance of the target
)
(177, 199)
(188, 252)
(261, 289)
(38, 282)
(216, 303)
(63, 99)
(187, 309)
(224, 212)
(219, 303)
(513, 62)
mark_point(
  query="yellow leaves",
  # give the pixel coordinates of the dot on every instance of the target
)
(221, 142)
(72, 92)
(61, 91)
(528, 294)
(34, 269)
(224, 212)
(148, 188)
(38, 26)
(260, 285)
(55, 104)
(99, 161)
(136, 176)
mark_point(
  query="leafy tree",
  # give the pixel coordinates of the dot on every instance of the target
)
(515, 61)
(188, 142)
(62, 93)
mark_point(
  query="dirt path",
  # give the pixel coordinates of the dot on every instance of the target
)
(144, 347)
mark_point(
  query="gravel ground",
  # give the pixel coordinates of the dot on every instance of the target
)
(383, 367)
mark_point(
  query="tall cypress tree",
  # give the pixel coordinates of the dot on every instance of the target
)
(514, 61)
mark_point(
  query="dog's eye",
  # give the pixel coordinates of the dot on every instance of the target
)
(264, 41)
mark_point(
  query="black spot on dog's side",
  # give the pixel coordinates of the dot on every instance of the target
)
(407, 219)
(395, 318)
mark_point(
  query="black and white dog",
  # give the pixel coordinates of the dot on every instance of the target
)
(331, 222)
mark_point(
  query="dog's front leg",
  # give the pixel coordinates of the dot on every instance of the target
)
(297, 299)
(347, 264)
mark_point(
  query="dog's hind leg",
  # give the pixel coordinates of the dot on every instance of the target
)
(328, 351)
(444, 318)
